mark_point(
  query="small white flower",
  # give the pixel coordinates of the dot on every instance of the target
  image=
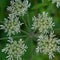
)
(43, 23)
(48, 45)
(57, 3)
(18, 7)
(15, 50)
(11, 25)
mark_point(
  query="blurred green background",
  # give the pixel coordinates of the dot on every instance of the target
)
(36, 7)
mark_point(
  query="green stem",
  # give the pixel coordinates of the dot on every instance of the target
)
(35, 2)
(25, 22)
(13, 37)
(24, 32)
(28, 20)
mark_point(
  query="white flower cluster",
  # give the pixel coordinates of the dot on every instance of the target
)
(57, 3)
(43, 23)
(48, 45)
(18, 7)
(46, 42)
(12, 25)
(15, 50)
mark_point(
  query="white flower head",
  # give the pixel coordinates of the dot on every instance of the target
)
(18, 7)
(15, 50)
(43, 22)
(57, 3)
(11, 25)
(48, 45)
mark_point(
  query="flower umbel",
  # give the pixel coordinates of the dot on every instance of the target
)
(43, 23)
(11, 25)
(18, 7)
(57, 3)
(48, 45)
(15, 50)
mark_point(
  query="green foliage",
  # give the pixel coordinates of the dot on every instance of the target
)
(26, 34)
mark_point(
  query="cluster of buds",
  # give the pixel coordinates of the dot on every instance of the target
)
(18, 7)
(43, 23)
(47, 43)
(11, 25)
(15, 49)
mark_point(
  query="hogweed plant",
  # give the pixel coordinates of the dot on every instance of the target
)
(40, 32)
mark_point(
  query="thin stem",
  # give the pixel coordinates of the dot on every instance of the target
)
(24, 32)
(25, 22)
(13, 37)
(35, 2)
(28, 20)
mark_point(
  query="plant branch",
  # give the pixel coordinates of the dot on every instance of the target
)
(13, 37)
